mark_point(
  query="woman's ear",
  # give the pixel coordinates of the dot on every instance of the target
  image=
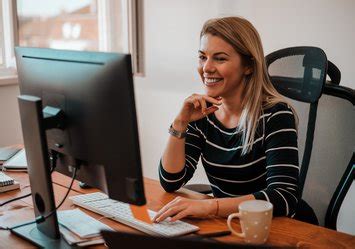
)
(248, 65)
(248, 71)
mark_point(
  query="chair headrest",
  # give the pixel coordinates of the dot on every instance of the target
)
(298, 72)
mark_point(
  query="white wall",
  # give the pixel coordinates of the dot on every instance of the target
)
(171, 43)
(10, 130)
(327, 24)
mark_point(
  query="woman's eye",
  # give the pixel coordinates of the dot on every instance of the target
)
(201, 57)
(220, 59)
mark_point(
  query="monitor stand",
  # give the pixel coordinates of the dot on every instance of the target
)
(34, 125)
(35, 236)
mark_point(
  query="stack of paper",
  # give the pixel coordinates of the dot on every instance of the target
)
(17, 162)
(7, 152)
(80, 229)
(7, 183)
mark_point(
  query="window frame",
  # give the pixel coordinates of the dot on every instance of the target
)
(2, 38)
(109, 25)
(131, 26)
(8, 74)
(136, 33)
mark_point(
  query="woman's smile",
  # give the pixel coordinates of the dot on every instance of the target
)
(211, 82)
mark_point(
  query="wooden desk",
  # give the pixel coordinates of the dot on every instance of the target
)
(284, 231)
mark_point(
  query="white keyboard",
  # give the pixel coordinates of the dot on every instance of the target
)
(121, 212)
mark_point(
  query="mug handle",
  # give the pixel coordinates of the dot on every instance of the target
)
(230, 217)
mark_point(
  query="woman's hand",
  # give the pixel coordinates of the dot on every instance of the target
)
(181, 207)
(195, 108)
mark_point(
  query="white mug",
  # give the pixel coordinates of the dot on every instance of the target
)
(255, 218)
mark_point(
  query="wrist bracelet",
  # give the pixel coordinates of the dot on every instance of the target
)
(177, 134)
(217, 209)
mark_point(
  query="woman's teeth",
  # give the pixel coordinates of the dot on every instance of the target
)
(212, 81)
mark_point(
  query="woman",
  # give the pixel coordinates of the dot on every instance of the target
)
(243, 131)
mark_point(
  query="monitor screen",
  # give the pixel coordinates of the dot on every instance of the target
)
(95, 92)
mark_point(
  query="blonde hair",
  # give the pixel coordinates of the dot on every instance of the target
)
(259, 93)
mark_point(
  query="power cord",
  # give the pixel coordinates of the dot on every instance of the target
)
(53, 159)
(41, 218)
(15, 199)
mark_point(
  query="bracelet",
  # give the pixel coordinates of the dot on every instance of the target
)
(217, 209)
(177, 134)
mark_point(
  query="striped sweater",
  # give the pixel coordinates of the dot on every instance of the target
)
(269, 171)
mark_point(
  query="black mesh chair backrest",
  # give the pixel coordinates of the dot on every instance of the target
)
(299, 73)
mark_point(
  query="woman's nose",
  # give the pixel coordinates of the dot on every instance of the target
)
(208, 66)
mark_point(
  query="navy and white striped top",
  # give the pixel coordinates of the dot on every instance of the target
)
(269, 171)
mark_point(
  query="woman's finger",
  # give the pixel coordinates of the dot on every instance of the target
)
(179, 215)
(196, 103)
(203, 104)
(163, 209)
(170, 212)
(212, 100)
(193, 99)
(210, 110)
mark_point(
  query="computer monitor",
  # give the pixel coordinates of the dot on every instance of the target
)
(80, 105)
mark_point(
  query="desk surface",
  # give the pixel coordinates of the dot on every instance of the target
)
(284, 231)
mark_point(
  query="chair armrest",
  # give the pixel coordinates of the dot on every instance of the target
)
(306, 213)
(200, 188)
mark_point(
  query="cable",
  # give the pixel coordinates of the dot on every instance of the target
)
(66, 195)
(15, 199)
(41, 218)
(53, 159)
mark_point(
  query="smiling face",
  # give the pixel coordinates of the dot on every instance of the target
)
(220, 67)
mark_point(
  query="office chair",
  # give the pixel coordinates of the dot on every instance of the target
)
(340, 215)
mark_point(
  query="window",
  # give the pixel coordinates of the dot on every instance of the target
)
(59, 24)
(90, 25)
